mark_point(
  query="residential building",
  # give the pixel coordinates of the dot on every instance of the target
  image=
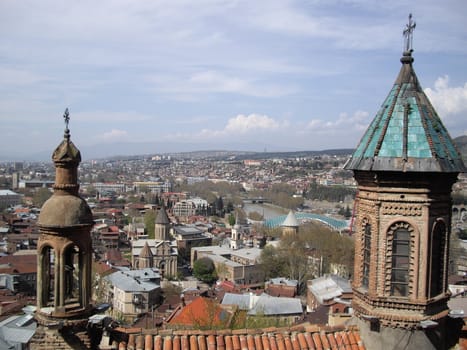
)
(133, 292)
(188, 237)
(110, 187)
(152, 186)
(240, 266)
(183, 209)
(22, 272)
(281, 287)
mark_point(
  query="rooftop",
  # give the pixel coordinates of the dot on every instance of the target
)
(407, 133)
(299, 337)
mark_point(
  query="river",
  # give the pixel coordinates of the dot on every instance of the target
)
(267, 210)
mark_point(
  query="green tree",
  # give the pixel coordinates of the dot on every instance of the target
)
(149, 222)
(232, 219)
(204, 270)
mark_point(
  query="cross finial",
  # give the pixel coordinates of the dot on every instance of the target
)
(66, 116)
(408, 34)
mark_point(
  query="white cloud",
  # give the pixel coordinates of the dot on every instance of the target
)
(448, 101)
(238, 126)
(355, 122)
(244, 124)
(114, 135)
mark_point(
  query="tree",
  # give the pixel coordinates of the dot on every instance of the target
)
(272, 262)
(232, 219)
(40, 196)
(149, 221)
(91, 191)
(347, 213)
(204, 270)
(255, 216)
(291, 258)
(219, 204)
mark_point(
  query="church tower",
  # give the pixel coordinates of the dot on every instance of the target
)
(405, 166)
(162, 225)
(236, 239)
(64, 249)
(290, 225)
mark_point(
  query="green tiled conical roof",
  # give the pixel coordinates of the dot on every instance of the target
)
(407, 133)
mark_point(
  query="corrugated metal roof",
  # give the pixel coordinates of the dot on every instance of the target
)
(407, 133)
(329, 287)
(127, 283)
(17, 329)
(264, 304)
(268, 305)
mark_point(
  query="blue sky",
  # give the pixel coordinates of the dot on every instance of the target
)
(161, 76)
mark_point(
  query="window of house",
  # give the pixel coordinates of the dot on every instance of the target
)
(400, 259)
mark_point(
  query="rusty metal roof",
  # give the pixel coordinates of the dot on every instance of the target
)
(407, 133)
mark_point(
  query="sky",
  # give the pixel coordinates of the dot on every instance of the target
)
(148, 77)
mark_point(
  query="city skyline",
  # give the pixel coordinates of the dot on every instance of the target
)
(171, 76)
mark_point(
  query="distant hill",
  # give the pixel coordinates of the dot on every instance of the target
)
(241, 155)
(296, 154)
(461, 143)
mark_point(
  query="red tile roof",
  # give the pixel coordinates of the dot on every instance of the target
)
(295, 338)
(18, 264)
(199, 313)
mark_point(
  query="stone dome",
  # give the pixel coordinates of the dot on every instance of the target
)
(65, 211)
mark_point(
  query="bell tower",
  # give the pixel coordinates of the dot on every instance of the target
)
(64, 249)
(162, 225)
(405, 166)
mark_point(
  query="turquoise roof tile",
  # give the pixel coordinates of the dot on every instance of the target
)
(406, 129)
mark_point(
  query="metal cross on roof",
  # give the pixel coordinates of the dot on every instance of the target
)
(66, 116)
(408, 34)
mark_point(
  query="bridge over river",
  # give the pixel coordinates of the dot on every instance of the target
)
(335, 224)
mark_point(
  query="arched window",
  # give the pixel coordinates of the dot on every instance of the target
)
(400, 233)
(366, 254)
(72, 277)
(437, 248)
(48, 276)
